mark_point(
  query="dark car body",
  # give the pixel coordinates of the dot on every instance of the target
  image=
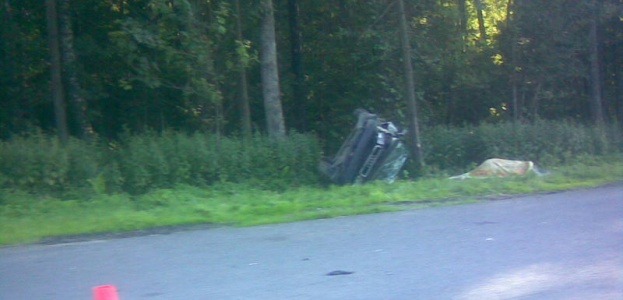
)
(374, 150)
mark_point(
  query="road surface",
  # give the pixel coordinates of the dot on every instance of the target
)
(566, 245)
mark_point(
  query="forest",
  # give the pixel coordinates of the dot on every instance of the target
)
(108, 69)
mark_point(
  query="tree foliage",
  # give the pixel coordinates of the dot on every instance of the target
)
(175, 64)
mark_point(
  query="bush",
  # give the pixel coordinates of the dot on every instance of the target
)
(139, 163)
(136, 164)
(164, 160)
(547, 143)
(40, 163)
(452, 148)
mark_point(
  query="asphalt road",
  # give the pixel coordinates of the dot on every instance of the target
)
(565, 245)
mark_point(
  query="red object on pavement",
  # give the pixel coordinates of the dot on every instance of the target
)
(105, 292)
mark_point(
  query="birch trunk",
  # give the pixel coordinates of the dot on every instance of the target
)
(270, 73)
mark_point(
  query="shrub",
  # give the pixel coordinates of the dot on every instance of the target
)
(139, 163)
(547, 143)
(40, 163)
(163, 160)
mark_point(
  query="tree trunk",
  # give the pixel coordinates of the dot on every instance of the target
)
(535, 100)
(56, 85)
(515, 95)
(74, 90)
(245, 110)
(596, 97)
(618, 95)
(448, 96)
(297, 68)
(414, 128)
(513, 74)
(463, 22)
(217, 100)
(212, 104)
(481, 22)
(270, 73)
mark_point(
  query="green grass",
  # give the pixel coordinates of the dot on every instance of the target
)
(26, 218)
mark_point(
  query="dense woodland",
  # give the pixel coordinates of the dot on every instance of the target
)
(232, 67)
(130, 96)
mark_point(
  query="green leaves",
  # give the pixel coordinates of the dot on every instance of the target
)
(140, 163)
(547, 143)
(175, 64)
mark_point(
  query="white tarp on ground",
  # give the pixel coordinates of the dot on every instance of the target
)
(497, 167)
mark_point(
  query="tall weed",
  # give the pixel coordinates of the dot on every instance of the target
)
(41, 163)
(139, 163)
(548, 143)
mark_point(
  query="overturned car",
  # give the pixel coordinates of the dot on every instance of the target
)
(373, 151)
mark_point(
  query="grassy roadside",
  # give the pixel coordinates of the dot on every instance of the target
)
(26, 219)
